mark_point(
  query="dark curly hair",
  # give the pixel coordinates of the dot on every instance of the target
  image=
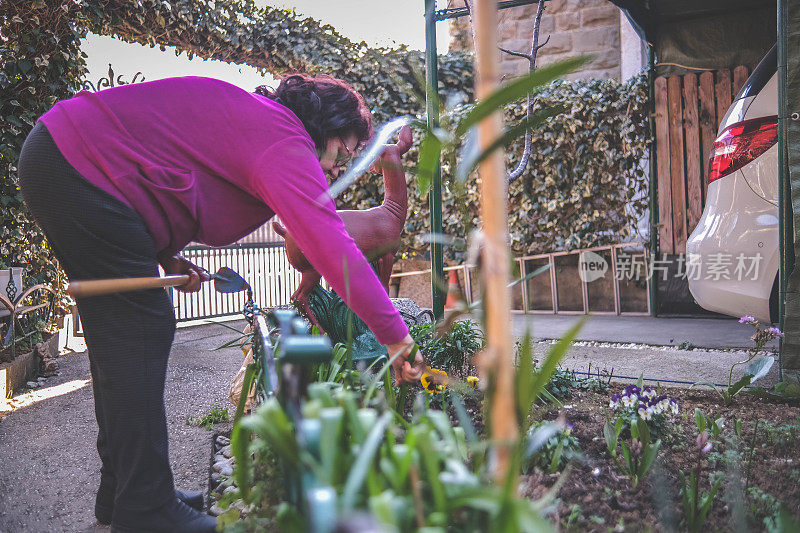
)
(328, 107)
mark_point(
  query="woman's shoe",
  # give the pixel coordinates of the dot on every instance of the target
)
(173, 517)
(104, 504)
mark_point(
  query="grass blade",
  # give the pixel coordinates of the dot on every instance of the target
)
(517, 89)
(430, 151)
(508, 136)
(554, 357)
(247, 384)
(358, 473)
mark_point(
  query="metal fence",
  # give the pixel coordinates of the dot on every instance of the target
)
(264, 266)
(621, 290)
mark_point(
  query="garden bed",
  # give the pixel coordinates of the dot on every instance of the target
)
(596, 496)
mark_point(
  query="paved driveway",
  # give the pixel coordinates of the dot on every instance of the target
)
(50, 467)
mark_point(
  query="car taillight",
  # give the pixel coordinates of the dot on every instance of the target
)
(740, 144)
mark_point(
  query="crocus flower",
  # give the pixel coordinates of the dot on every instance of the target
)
(775, 333)
(702, 440)
(636, 446)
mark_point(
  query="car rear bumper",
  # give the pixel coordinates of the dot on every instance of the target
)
(732, 255)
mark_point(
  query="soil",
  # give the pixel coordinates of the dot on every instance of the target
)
(607, 501)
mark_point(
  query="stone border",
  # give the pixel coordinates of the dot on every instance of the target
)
(25, 367)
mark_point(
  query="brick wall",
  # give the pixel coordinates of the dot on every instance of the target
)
(574, 26)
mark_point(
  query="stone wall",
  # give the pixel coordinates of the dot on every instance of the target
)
(575, 27)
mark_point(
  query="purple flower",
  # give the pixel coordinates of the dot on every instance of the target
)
(775, 333)
(636, 446)
(747, 319)
(673, 406)
(614, 401)
(702, 440)
(629, 401)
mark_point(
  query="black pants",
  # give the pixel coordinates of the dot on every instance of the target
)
(128, 335)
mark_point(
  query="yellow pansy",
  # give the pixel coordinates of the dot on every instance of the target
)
(472, 381)
(434, 380)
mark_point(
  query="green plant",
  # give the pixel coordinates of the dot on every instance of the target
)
(575, 514)
(422, 479)
(452, 350)
(638, 455)
(788, 389)
(762, 506)
(564, 381)
(782, 521)
(696, 504)
(426, 472)
(207, 421)
(560, 384)
(714, 426)
(554, 455)
(756, 369)
(782, 435)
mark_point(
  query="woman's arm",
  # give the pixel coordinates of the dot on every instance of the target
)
(292, 183)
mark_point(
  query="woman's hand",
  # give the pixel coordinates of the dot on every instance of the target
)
(392, 153)
(178, 265)
(405, 370)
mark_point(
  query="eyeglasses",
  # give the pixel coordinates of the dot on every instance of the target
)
(343, 160)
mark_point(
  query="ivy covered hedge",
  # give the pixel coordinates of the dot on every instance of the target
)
(40, 64)
(585, 184)
(576, 191)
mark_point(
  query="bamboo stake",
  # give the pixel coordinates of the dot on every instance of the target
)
(495, 255)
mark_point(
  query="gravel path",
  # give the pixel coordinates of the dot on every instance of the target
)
(50, 467)
(668, 365)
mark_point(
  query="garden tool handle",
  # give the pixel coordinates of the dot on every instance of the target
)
(94, 287)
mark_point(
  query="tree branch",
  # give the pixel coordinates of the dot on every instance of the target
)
(526, 153)
(513, 53)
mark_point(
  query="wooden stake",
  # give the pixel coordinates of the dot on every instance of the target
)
(495, 255)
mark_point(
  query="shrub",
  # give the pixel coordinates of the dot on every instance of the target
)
(452, 351)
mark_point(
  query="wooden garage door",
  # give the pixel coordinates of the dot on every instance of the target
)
(688, 110)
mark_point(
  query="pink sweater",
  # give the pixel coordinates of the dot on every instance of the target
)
(203, 160)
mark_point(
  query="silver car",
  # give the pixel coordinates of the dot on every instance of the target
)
(739, 225)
